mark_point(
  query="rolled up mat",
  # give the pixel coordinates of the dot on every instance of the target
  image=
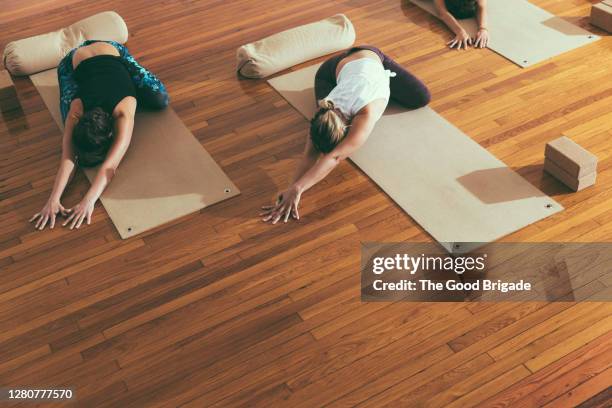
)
(294, 46)
(461, 194)
(45, 51)
(522, 32)
(165, 174)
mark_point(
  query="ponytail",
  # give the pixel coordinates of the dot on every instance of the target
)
(327, 128)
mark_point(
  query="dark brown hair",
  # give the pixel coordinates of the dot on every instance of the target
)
(462, 8)
(327, 128)
(92, 137)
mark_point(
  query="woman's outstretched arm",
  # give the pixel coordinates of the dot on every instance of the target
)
(361, 127)
(309, 158)
(462, 38)
(288, 201)
(53, 206)
(483, 13)
(482, 38)
(124, 125)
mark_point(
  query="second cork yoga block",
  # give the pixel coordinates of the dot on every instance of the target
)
(571, 157)
(8, 95)
(601, 15)
(575, 183)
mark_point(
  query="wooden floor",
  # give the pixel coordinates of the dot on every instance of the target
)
(220, 309)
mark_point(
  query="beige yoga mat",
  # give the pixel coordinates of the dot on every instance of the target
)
(165, 174)
(524, 33)
(450, 185)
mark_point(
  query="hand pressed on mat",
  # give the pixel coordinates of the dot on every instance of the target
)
(482, 38)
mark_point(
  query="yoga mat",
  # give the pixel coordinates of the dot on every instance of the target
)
(524, 33)
(165, 174)
(450, 185)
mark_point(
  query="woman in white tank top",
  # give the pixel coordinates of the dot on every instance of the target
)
(352, 90)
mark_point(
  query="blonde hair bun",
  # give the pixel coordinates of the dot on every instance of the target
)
(327, 128)
(326, 104)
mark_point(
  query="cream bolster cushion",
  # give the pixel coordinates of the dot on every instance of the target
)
(291, 47)
(45, 51)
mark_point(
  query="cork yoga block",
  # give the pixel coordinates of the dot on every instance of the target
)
(575, 183)
(571, 157)
(601, 15)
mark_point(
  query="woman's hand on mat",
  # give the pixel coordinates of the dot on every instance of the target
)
(52, 209)
(286, 206)
(482, 38)
(461, 40)
(79, 213)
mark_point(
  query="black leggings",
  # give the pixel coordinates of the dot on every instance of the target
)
(406, 89)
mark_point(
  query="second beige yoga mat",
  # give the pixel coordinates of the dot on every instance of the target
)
(165, 174)
(454, 188)
(523, 32)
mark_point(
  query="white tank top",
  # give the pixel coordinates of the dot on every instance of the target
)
(360, 82)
